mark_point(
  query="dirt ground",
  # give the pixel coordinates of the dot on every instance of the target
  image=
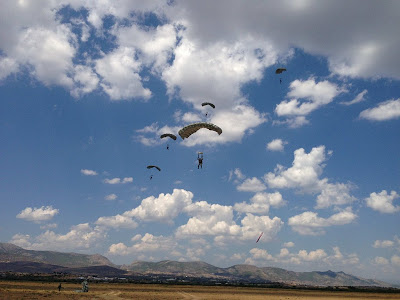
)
(44, 290)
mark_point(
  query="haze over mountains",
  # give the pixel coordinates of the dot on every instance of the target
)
(17, 259)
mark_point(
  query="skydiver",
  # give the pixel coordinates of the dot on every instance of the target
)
(280, 80)
(59, 287)
(200, 159)
(167, 147)
(151, 177)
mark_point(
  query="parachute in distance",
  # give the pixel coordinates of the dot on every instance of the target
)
(150, 167)
(259, 237)
(208, 103)
(280, 70)
(168, 135)
(187, 131)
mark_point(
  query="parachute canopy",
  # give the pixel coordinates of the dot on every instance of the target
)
(259, 237)
(208, 103)
(149, 167)
(279, 70)
(187, 131)
(168, 135)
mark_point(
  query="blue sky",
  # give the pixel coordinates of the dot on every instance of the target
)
(312, 162)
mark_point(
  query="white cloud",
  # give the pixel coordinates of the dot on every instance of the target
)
(117, 221)
(384, 111)
(48, 226)
(395, 260)
(260, 203)
(383, 202)
(86, 81)
(315, 255)
(236, 175)
(370, 54)
(288, 244)
(383, 244)
(164, 208)
(251, 185)
(357, 99)
(276, 145)
(88, 172)
(127, 180)
(334, 194)
(118, 180)
(7, 66)
(381, 260)
(81, 236)
(305, 175)
(120, 75)
(217, 220)
(147, 244)
(314, 94)
(309, 223)
(111, 197)
(43, 213)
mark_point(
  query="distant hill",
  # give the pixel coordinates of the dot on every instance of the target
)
(251, 273)
(12, 253)
(17, 259)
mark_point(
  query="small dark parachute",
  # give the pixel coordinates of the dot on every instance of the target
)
(168, 135)
(150, 167)
(208, 103)
(280, 70)
(187, 131)
(259, 237)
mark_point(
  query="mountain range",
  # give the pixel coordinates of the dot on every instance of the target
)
(17, 259)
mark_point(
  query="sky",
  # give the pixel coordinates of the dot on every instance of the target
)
(310, 157)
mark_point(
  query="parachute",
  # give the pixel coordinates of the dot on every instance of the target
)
(168, 135)
(149, 167)
(279, 70)
(259, 237)
(187, 131)
(208, 103)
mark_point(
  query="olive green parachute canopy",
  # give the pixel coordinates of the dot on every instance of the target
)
(187, 131)
(168, 135)
(280, 70)
(149, 167)
(208, 103)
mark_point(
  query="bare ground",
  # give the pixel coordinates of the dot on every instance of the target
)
(114, 291)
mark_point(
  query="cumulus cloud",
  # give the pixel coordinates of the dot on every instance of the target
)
(251, 185)
(383, 202)
(383, 244)
(318, 257)
(305, 175)
(357, 99)
(88, 172)
(304, 172)
(81, 236)
(117, 221)
(260, 203)
(111, 197)
(314, 94)
(40, 214)
(379, 260)
(384, 111)
(217, 220)
(309, 223)
(118, 180)
(164, 208)
(288, 244)
(276, 145)
(146, 244)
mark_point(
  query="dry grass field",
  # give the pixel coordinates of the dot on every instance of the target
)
(44, 290)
